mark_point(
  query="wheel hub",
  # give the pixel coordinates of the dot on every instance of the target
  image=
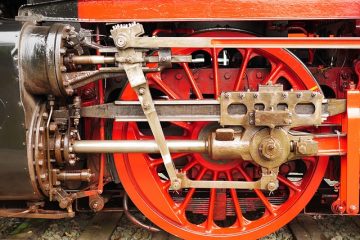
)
(270, 147)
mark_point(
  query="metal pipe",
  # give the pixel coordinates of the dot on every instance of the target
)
(92, 59)
(133, 219)
(137, 146)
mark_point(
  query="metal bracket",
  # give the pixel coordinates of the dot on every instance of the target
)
(268, 181)
(271, 106)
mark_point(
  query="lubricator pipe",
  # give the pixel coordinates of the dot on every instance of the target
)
(137, 146)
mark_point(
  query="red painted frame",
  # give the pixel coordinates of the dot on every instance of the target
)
(216, 10)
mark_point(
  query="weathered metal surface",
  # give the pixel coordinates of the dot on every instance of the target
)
(169, 10)
(203, 110)
(187, 110)
(243, 42)
(42, 50)
(15, 180)
(271, 106)
(60, 10)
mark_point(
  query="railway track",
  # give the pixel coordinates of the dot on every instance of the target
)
(116, 226)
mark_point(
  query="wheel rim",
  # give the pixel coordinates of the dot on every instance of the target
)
(141, 176)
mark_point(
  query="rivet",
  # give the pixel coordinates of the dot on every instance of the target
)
(178, 76)
(259, 75)
(227, 76)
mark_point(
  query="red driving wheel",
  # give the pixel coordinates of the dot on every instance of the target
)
(216, 213)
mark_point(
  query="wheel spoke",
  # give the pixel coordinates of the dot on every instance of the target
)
(242, 70)
(183, 125)
(212, 200)
(156, 78)
(191, 78)
(159, 161)
(288, 183)
(150, 137)
(191, 191)
(258, 192)
(167, 185)
(236, 203)
(292, 81)
(188, 166)
(216, 73)
(274, 74)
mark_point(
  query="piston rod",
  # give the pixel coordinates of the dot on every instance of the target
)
(175, 146)
(137, 146)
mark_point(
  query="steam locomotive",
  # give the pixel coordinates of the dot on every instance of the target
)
(217, 119)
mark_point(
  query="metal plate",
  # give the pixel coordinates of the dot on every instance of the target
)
(15, 180)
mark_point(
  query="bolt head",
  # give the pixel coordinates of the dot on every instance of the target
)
(176, 184)
(353, 208)
(63, 69)
(271, 186)
(141, 91)
(227, 95)
(340, 209)
(302, 149)
(121, 41)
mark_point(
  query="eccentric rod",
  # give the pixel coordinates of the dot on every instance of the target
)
(137, 146)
